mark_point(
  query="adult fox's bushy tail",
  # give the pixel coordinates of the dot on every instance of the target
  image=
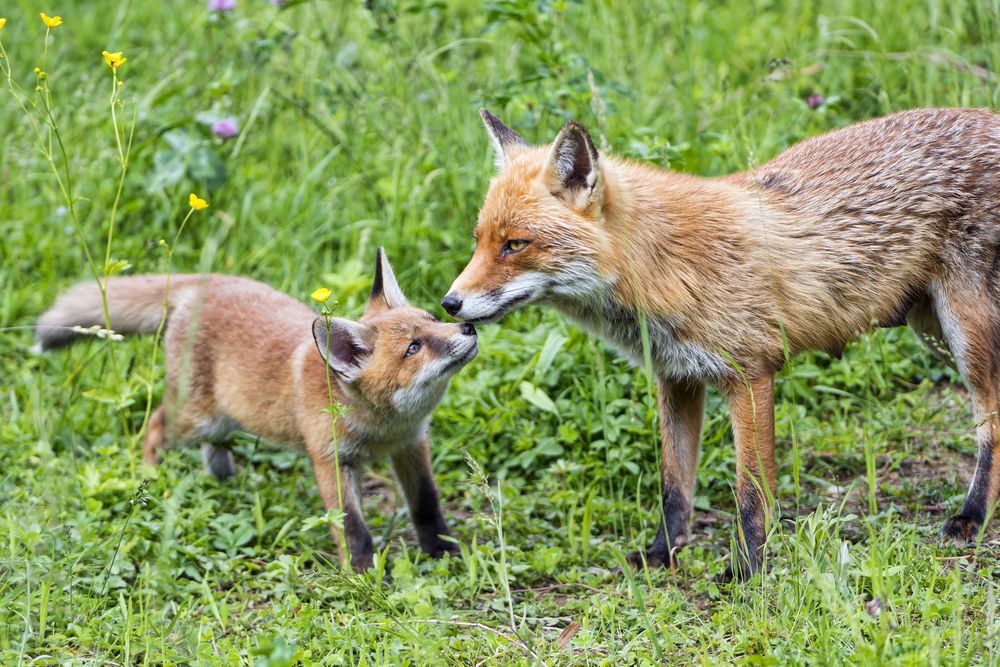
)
(135, 304)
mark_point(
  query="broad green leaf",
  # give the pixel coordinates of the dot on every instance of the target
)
(537, 397)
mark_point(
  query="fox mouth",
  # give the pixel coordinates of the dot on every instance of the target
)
(502, 309)
(465, 358)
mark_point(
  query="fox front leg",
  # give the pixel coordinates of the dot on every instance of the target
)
(344, 493)
(751, 407)
(412, 465)
(681, 406)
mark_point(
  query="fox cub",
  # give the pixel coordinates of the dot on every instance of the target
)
(241, 355)
(887, 222)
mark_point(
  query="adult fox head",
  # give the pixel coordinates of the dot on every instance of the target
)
(540, 230)
(397, 358)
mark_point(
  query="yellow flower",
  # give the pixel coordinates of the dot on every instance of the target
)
(114, 60)
(321, 295)
(196, 202)
(50, 21)
(3, 22)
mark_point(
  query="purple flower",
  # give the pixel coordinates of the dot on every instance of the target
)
(814, 101)
(278, 3)
(221, 5)
(225, 128)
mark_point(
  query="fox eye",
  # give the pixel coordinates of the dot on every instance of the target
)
(514, 246)
(413, 348)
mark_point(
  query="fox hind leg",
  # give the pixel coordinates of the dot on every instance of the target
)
(153, 442)
(218, 461)
(167, 427)
(970, 324)
(212, 431)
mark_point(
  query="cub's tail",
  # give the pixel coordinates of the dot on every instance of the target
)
(135, 304)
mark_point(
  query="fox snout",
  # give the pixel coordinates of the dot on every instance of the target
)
(481, 307)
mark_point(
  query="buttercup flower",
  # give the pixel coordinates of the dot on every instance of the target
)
(225, 128)
(114, 60)
(3, 22)
(221, 5)
(321, 295)
(50, 21)
(196, 202)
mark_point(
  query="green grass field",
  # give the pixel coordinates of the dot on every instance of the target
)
(358, 128)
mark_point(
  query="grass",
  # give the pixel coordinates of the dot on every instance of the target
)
(358, 128)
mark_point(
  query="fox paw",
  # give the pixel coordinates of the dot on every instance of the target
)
(441, 547)
(736, 575)
(362, 564)
(961, 529)
(649, 560)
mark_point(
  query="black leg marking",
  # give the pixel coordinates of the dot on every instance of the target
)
(750, 536)
(429, 521)
(359, 541)
(671, 534)
(219, 461)
(963, 528)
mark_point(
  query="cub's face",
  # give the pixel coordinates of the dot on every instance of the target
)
(397, 359)
(413, 356)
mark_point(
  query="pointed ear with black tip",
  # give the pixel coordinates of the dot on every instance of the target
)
(386, 294)
(342, 345)
(505, 140)
(573, 168)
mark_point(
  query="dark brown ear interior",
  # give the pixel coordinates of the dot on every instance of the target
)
(574, 157)
(342, 345)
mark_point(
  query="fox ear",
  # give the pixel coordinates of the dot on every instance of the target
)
(385, 290)
(573, 166)
(504, 139)
(342, 345)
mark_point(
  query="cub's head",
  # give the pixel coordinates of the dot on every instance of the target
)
(540, 229)
(397, 358)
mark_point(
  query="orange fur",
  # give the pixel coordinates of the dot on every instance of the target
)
(242, 355)
(893, 218)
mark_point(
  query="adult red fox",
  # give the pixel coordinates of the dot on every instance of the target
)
(241, 355)
(888, 221)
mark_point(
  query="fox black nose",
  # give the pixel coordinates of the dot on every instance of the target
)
(467, 329)
(452, 304)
